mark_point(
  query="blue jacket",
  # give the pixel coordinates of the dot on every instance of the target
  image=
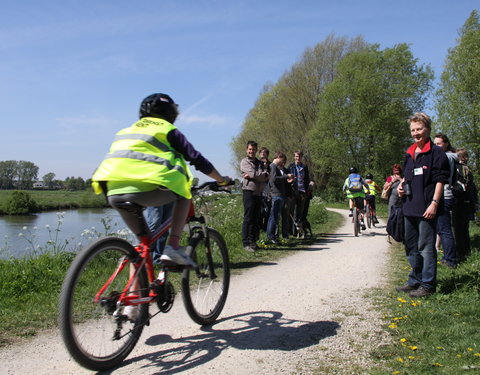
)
(430, 166)
(306, 176)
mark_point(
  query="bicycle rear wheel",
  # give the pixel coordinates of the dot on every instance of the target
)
(96, 338)
(356, 222)
(205, 289)
(368, 214)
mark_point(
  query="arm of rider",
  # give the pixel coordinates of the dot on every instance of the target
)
(221, 180)
(431, 210)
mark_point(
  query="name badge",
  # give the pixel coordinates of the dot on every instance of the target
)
(417, 171)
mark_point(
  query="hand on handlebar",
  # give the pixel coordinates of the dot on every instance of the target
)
(226, 181)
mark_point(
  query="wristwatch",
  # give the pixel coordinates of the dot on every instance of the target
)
(436, 201)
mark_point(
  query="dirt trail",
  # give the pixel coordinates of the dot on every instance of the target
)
(306, 311)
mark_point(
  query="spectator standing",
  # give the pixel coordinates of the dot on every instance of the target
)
(255, 176)
(263, 154)
(426, 172)
(278, 181)
(444, 220)
(287, 206)
(300, 186)
(466, 202)
(392, 183)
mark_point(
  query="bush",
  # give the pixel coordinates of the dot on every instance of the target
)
(20, 203)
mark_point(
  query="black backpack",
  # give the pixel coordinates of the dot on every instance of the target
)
(462, 183)
(395, 224)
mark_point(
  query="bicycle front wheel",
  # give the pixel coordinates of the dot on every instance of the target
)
(94, 330)
(205, 289)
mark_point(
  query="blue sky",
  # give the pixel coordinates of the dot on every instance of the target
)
(72, 73)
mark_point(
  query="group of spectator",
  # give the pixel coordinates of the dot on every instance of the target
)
(436, 191)
(272, 191)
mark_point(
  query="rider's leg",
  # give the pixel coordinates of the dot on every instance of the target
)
(179, 218)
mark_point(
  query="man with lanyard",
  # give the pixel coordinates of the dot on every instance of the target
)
(300, 185)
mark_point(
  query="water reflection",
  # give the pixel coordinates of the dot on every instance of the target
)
(18, 232)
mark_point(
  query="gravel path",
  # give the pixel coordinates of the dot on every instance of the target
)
(306, 313)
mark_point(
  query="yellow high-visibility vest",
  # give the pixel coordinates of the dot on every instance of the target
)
(143, 153)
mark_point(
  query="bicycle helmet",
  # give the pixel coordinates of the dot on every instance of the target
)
(369, 176)
(159, 106)
(353, 170)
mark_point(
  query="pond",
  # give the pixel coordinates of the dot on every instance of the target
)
(19, 234)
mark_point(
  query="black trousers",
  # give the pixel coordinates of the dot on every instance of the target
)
(252, 205)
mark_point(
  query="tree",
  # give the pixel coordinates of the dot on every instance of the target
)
(74, 183)
(48, 180)
(362, 113)
(17, 174)
(8, 171)
(285, 111)
(458, 96)
(20, 203)
(27, 174)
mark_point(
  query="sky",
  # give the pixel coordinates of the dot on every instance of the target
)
(73, 73)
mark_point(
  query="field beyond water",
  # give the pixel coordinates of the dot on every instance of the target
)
(58, 199)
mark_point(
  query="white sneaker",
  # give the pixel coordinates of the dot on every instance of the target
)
(178, 256)
(131, 312)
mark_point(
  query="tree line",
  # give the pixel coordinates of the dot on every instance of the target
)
(345, 103)
(23, 175)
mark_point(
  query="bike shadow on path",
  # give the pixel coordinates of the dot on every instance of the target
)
(261, 330)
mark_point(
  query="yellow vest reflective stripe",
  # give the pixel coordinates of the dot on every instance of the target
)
(143, 153)
(372, 186)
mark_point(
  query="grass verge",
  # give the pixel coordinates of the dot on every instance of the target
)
(439, 334)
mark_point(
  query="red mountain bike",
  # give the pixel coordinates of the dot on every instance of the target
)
(111, 274)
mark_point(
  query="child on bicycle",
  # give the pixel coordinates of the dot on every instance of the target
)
(354, 188)
(146, 166)
(370, 197)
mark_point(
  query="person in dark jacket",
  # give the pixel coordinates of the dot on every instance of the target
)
(300, 187)
(426, 171)
(278, 189)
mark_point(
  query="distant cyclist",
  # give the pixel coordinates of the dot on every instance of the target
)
(370, 197)
(354, 188)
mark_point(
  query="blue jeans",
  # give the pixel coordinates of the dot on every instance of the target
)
(155, 217)
(277, 205)
(444, 229)
(420, 238)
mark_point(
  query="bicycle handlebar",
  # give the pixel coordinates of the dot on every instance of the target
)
(213, 186)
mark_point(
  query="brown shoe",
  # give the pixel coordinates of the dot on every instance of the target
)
(406, 288)
(421, 292)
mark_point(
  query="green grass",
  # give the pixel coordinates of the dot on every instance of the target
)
(59, 199)
(30, 286)
(439, 334)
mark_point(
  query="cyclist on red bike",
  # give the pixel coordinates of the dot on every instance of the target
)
(146, 166)
(354, 188)
(370, 197)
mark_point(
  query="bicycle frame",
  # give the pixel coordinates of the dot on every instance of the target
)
(143, 249)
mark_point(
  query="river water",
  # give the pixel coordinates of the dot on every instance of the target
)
(70, 228)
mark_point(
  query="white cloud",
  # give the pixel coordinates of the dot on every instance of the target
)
(213, 120)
